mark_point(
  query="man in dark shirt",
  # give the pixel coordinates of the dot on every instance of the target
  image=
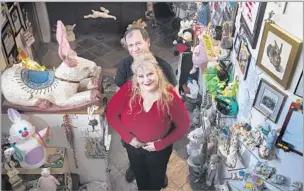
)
(138, 42)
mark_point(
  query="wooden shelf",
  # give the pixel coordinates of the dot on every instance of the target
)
(49, 151)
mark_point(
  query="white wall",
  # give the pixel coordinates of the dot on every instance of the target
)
(89, 169)
(289, 164)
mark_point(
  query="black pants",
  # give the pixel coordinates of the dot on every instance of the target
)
(149, 167)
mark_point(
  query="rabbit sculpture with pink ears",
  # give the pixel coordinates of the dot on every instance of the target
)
(27, 146)
(54, 89)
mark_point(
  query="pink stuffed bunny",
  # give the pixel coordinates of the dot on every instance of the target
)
(199, 56)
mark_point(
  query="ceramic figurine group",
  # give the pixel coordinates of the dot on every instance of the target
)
(233, 153)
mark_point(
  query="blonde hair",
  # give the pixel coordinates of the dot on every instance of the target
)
(148, 61)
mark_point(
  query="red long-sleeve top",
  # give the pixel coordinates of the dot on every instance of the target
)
(146, 126)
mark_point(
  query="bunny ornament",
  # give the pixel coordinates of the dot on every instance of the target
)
(27, 146)
(199, 56)
(14, 179)
(47, 182)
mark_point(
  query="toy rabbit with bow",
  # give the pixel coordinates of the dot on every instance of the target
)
(27, 146)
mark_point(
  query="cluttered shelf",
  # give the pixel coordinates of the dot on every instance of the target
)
(99, 111)
(245, 185)
(56, 160)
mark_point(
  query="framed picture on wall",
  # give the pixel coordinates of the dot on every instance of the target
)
(7, 38)
(234, 14)
(4, 11)
(244, 58)
(291, 134)
(237, 44)
(299, 88)
(269, 100)
(16, 20)
(252, 19)
(278, 54)
(10, 5)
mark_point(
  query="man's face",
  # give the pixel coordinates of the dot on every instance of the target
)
(136, 44)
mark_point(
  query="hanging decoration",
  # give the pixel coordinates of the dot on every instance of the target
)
(69, 133)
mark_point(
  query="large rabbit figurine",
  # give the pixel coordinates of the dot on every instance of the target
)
(27, 146)
(53, 90)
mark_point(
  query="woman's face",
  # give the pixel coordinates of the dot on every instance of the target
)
(147, 78)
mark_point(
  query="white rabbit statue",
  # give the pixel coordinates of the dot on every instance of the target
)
(27, 146)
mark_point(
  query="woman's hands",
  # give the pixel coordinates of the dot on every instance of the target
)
(147, 146)
(136, 143)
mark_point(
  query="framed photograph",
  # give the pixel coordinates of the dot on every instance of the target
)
(3, 16)
(278, 54)
(237, 44)
(269, 100)
(10, 5)
(244, 58)
(291, 134)
(299, 87)
(7, 38)
(252, 19)
(16, 20)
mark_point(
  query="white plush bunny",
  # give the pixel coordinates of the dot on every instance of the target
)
(27, 146)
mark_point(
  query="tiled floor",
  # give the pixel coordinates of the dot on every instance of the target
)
(106, 51)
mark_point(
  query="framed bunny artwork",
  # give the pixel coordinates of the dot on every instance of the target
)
(278, 54)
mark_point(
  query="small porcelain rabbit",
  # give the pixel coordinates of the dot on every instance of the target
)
(29, 146)
(47, 182)
(14, 178)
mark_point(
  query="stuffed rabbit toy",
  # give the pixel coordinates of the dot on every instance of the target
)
(199, 56)
(47, 182)
(14, 178)
(27, 146)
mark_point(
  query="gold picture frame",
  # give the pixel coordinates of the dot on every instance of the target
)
(278, 54)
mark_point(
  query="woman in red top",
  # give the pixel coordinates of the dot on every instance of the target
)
(141, 112)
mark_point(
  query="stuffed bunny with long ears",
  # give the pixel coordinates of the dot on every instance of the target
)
(27, 146)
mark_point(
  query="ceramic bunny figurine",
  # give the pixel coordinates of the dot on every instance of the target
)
(70, 32)
(47, 182)
(196, 139)
(27, 146)
(14, 178)
(213, 171)
(199, 56)
(104, 13)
